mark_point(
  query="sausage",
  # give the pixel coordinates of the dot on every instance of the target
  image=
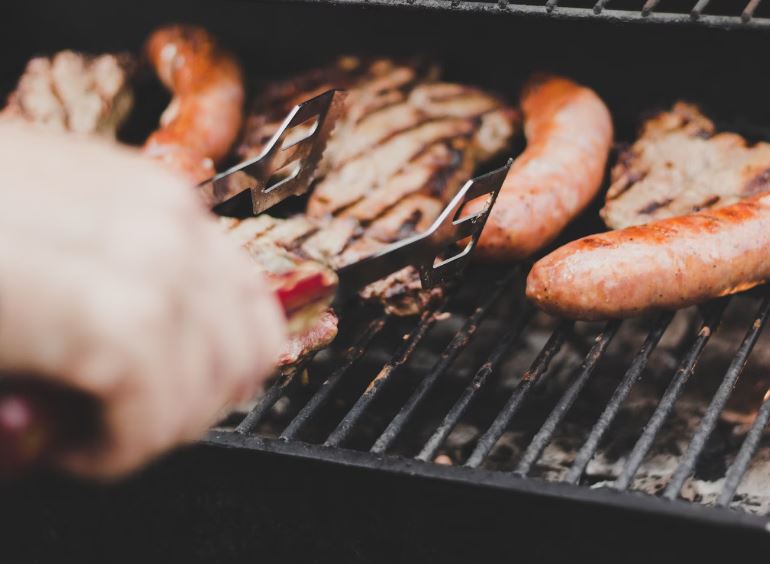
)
(569, 134)
(204, 117)
(666, 264)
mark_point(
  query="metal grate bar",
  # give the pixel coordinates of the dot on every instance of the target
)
(621, 392)
(543, 436)
(552, 9)
(459, 408)
(319, 399)
(267, 401)
(674, 389)
(698, 9)
(748, 11)
(707, 424)
(746, 453)
(448, 356)
(411, 340)
(599, 6)
(649, 6)
(528, 380)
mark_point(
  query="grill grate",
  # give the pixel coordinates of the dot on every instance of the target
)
(725, 13)
(354, 429)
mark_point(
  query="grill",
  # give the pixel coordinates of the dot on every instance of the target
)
(724, 14)
(481, 429)
(280, 430)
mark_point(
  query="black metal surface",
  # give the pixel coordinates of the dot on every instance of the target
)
(621, 392)
(674, 390)
(455, 347)
(738, 14)
(518, 316)
(545, 433)
(474, 386)
(529, 379)
(709, 420)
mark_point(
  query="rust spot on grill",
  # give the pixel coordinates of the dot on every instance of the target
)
(705, 331)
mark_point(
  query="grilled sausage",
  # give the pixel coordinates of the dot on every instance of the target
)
(204, 117)
(666, 264)
(569, 133)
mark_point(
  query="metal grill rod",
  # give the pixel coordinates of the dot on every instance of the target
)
(267, 401)
(649, 6)
(528, 380)
(319, 399)
(698, 9)
(748, 11)
(672, 393)
(458, 343)
(707, 424)
(459, 408)
(543, 436)
(745, 454)
(621, 392)
(599, 6)
(552, 10)
(427, 320)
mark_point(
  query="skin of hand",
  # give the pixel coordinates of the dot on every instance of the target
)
(116, 281)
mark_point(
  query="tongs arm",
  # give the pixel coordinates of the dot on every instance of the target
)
(286, 166)
(424, 251)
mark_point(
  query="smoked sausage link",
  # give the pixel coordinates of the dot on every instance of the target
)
(204, 117)
(569, 134)
(666, 264)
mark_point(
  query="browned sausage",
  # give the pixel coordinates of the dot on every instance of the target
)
(569, 133)
(204, 117)
(665, 264)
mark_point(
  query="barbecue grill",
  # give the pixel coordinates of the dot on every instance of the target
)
(480, 429)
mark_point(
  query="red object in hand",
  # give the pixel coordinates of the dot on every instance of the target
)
(38, 419)
(26, 432)
(305, 292)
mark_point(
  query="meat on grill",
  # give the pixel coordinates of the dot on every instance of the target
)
(74, 92)
(679, 165)
(569, 134)
(204, 117)
(312, 324)
(668, 254)
(665, 264)
(401, 149)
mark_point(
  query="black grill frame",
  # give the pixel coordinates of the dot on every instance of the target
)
(647, 12)
(246, 435)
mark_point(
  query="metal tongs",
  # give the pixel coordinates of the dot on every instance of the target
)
(286, 167)
(261, 181)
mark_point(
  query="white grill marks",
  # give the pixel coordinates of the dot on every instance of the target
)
(679, 166)
(402, 148)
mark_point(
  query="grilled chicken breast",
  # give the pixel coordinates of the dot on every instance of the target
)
(680, 165)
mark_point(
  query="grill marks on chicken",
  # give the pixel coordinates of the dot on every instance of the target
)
(401, 149)
(74, 92)
(680, 165)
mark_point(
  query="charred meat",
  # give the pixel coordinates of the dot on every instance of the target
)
(680, 165)
(402, 148)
